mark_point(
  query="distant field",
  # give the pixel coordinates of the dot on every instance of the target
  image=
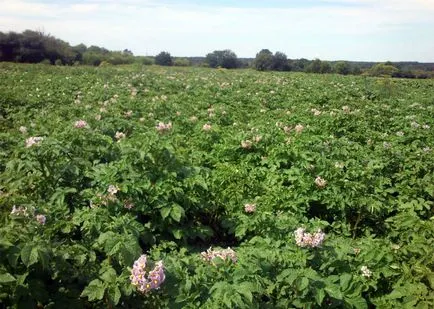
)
(101, 165)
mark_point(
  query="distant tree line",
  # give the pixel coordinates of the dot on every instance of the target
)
(38, 47)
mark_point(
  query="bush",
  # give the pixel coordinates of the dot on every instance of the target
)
(382, 69)
(164, 58)
(181, 62)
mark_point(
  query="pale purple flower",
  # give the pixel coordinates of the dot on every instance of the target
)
(315, 112)
(41, 219)
(144, 283)
(287, 129)
(163, 127)
(346, 109)
(366, 272)
(119, 135)
(34, 140)
(206, 127)
(257, 138)
(19, 211)
(128, 205)
(224, 254)
(320, 182)
(112, 189)
(414, 124)
(303, 239)
(250, 208)
(80, 124)
(156, 276)
(247, 144)
(299, 128)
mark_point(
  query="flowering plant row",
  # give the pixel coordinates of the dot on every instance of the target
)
(194, 188)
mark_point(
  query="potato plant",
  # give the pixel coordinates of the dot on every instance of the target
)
(134, 187)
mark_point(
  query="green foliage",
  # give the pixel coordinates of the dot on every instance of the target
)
(265, 60)
(38, 47)
(382, 69)
(164, 58)
(280, 62)
(314, 67)
(237, 161)
(222, 58)
(181, 62)
(342, 67)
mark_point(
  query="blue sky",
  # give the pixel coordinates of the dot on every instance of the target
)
(367, 30)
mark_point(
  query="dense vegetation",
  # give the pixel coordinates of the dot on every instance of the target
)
(321, 185)
(38, 47)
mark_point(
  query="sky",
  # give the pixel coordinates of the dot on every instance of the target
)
(357, 30)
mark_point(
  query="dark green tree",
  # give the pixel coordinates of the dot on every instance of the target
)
(280, 62)
(164, 58)
(222, 58)
(325, 67)
(314, 66)
(342, 67)
(264, 60)
(298, 65)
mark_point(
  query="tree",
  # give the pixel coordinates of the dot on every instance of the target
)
(127, 52)
(280, 62)
(264, 60)
(222, 58)
(79, 50)
(163, 58)
(299, 65)
(382, 69)
(325, 67)
(314, 66)
(342, 67)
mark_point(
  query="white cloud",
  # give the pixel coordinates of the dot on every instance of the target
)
(187, 30)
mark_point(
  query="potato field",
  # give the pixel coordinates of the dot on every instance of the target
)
(152, 187)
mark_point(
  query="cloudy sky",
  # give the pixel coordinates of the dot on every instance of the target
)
(369, 30)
